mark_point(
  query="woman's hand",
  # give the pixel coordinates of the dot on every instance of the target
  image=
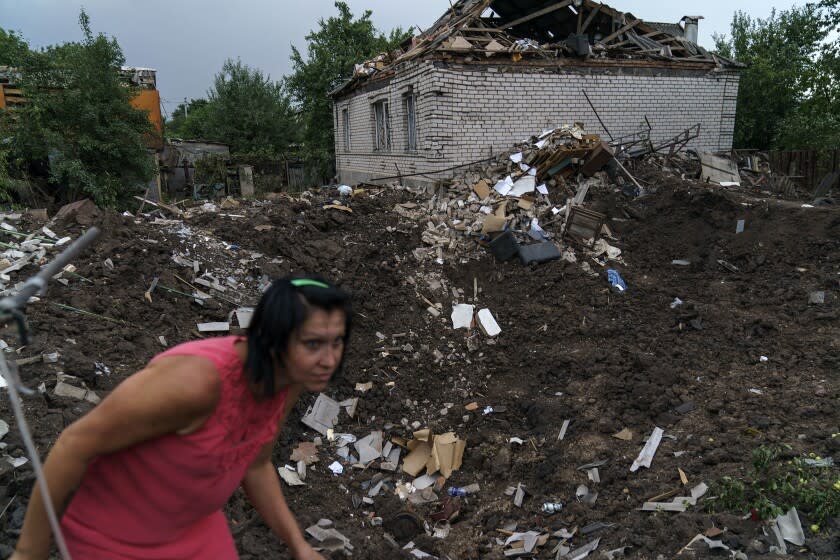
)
(306, 552)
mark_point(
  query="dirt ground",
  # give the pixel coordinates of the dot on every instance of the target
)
(745, 361)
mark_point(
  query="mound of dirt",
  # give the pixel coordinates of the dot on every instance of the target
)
(744, 360)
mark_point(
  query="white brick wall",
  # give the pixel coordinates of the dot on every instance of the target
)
(466, 114)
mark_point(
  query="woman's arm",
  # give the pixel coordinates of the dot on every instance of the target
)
(167, 396)
(262, 486)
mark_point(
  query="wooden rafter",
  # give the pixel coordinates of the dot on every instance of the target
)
(589, 18)
(627, 27)
(539, 13)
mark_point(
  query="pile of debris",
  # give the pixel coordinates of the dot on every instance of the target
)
(511, 201)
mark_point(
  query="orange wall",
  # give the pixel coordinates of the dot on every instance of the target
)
(149, 100)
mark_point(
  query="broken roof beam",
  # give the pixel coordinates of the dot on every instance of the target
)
(621, 30)
(538, 13)
(589, 18)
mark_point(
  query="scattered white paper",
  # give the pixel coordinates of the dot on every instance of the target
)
(524, 167)
(290, 477)
(791, 527)
(646, 456)
(536, 231)
(523, 185)
(532, 172)
(540, 144)
(336, 468)
(504, 186)
(425, 481)
(16, 461)
(516, 158)
(729, 184)
(542, 189)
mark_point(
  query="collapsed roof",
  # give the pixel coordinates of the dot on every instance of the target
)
(557, 31)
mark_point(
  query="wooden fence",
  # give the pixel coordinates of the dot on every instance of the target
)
(805, 167)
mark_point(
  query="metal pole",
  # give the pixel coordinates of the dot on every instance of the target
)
(597, 115)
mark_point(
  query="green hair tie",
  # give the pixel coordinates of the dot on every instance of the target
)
(302, 282)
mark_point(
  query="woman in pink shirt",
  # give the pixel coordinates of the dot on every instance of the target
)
(145, 474)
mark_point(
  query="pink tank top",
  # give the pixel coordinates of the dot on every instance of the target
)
(162, 499)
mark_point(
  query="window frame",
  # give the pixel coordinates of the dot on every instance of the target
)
(410, 109)
(345, 122)
(382, 126)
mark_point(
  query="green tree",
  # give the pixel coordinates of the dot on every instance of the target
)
(332, 51)
(175, 125)
(244, 109)
(12, 48)
(783, 57)
(78, 118)
(816, 121)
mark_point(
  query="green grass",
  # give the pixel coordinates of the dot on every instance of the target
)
(777, 482)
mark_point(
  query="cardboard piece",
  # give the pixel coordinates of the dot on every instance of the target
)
(525, 203)
(482, 189)
(306, 451)
(447, 454)
(417, 457)
(493, 224)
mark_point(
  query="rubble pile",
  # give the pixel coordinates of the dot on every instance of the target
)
(524, 188)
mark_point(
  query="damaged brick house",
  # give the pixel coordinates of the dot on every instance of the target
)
(491, 73)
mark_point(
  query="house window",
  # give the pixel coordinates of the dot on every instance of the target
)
(382, 126)
(410, 106)
(345, 122)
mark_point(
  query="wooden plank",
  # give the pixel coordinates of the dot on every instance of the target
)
(589, 18)
(539, 13)
(171, 209)
(627, 27)
(484, 30)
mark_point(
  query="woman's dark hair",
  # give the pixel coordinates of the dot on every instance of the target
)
(283, 308)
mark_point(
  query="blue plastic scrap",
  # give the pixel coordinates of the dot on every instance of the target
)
(615, 280)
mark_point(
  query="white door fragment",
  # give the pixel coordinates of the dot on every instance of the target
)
(488, 323)
(462, 316)
(214, 327)
(646, 456)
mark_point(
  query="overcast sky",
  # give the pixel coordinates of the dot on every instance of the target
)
(188, 40)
